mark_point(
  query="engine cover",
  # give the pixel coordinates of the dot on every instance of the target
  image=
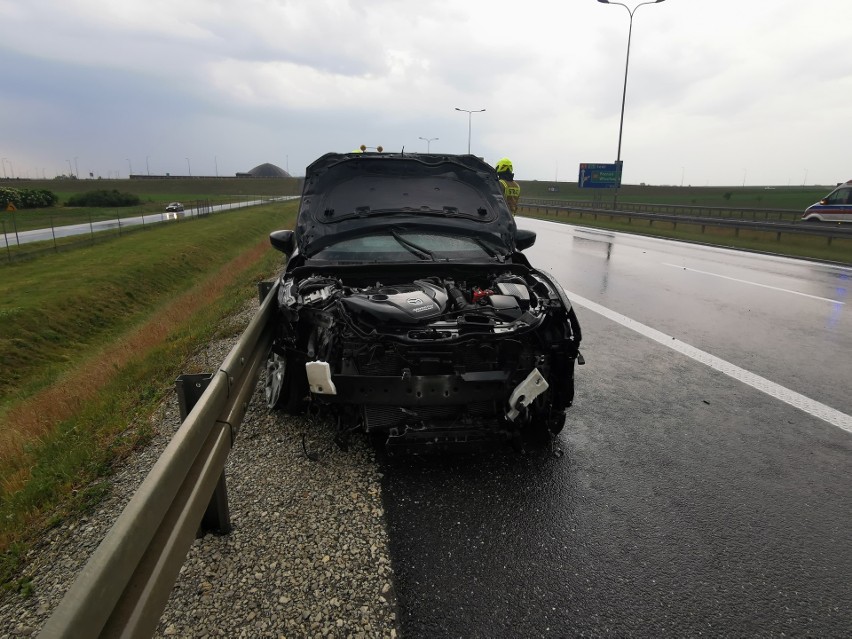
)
(404, 304)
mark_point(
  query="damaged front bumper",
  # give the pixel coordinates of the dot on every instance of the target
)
(456, 408)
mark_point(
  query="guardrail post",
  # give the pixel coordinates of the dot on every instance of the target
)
(6, 240)
(15, 227)
(217, 517)
(263, 289)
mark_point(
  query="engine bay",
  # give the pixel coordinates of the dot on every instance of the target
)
(431, 308)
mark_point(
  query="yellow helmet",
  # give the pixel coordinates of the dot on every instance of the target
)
(503, 165)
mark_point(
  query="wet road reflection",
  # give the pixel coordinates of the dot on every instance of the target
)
(784, 319)
(686, 502)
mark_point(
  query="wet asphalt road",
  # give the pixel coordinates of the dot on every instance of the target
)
(687, 502)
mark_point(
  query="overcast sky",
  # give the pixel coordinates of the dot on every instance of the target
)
(720, 92)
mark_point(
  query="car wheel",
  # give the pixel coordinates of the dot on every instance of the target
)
(284, 388)
(556, 421)
(278, 388)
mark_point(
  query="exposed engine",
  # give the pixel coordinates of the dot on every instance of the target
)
(433, 355)
(504, 302)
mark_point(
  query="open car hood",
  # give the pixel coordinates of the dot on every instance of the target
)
(348, 194)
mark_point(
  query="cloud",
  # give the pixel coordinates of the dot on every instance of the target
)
(297, 78)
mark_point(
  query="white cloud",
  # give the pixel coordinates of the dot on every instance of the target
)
(711, 85)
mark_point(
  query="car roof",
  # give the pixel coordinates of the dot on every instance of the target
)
(348, 194)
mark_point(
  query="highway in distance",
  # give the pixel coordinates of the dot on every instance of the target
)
(13, 238)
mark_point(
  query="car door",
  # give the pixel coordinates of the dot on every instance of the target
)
(838, 205)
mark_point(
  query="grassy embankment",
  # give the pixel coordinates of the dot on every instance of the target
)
(91, 341)
(804, 246)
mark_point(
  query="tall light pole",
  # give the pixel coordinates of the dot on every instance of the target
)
(469, 116)
(626, 65)
(129, 168)
(76, 167)
(4, 168)
(429, 142)
(147, 167)
(188, 168)
(216, 164)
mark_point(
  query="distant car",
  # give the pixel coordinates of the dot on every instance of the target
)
(408, 311)
(174, 207)
(834, 207)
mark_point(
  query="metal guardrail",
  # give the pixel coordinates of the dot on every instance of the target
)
(826, 230)
(738, 213)
(124, 587)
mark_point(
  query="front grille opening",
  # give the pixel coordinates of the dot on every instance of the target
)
(387, 417)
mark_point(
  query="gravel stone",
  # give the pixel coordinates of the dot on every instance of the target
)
(308, 553)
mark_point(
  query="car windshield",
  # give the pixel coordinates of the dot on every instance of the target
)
(397, 245)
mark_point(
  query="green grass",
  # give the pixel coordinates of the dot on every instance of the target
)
(61, 313)
(54, 306)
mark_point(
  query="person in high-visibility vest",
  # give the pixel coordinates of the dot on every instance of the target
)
(511, 189)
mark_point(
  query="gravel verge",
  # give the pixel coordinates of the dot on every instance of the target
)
(308, 554)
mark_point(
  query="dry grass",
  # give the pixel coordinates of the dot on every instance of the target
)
(30, 420)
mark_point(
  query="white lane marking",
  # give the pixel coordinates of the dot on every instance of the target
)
(774, 288)
(806, 404)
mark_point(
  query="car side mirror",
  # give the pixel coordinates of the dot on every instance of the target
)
(284, 241)
(524, 239)
(823, 201)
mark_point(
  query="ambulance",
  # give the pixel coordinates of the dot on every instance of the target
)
(834, 207)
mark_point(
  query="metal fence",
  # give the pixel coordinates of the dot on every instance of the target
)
(731, 213)
(571, 209)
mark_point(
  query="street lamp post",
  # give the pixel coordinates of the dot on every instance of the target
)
(76, 167)
(4, 168)
(147, 167)
(469, 116)
(188, 168)
(429, 142)
(129, 168)
(626, 65)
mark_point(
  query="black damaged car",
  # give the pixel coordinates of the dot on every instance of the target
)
(407, 310)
